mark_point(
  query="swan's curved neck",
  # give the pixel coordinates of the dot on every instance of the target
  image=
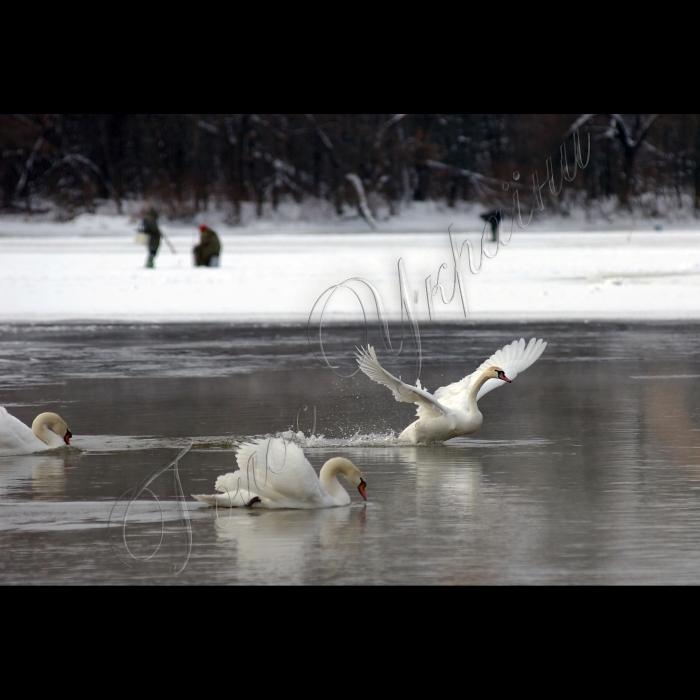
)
(44, 434)
(475, 390)
(329, 479)
(42, 428)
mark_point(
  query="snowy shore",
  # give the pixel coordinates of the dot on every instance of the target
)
(91, 270)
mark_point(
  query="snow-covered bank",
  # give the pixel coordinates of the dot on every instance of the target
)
(317, 216)
(90, 270)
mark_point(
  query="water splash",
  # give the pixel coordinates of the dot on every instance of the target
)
(389, 439)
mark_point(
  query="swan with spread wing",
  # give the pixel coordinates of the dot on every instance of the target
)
(274, 473)
(452, 411)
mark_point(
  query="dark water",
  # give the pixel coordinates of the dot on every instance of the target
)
(586, 470)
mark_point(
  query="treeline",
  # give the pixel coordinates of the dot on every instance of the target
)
(188, 162)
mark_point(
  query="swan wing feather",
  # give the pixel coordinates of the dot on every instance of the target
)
(273, 470)
(428, 405)
(512, 359)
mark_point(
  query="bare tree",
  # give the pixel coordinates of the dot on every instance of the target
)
(631, 132)
(188, 161)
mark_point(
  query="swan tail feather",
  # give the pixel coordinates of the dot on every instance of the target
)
(218, 499)
(229, 482)
(228, 500)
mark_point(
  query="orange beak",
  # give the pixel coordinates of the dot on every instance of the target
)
(67, 437)
(362, 488)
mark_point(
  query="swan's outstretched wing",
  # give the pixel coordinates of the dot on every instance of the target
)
(512, 359)
(272, 470)
(428, 405)
(280, 465)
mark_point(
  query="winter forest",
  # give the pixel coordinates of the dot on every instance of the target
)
(67, 164)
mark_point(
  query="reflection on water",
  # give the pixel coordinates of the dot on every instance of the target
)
(586, 470)
(46, 476)
(276, 547)
(49, 477)
(669, 417)
(449, 478)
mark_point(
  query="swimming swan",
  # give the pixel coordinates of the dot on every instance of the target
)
(274, 473)
(48, 432)
(452, 411)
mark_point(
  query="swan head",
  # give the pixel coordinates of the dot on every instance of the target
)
(497, 373)
(340, 465)
(53, 423)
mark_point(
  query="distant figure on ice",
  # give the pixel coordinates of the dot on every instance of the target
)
(494, 218)
(149, 225)
(207, 253)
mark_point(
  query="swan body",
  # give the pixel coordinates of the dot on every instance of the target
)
(48, 432)
(274, 473)
(452, 411)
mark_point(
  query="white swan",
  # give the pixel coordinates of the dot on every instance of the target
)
(452, 411)
(48, 432)
(274, 473)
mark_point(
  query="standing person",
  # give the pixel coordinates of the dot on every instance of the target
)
(149, 225)
(207, 253)
(494, 218)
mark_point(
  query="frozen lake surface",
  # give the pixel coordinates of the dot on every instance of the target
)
(90, 270)
(586, 471)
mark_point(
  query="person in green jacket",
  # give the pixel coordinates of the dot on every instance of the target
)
(149, 225)
(207, 253)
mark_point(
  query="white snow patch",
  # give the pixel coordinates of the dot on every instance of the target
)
(90, 270)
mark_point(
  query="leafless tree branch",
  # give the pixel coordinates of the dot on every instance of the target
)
(581, 121)
(362, 196)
